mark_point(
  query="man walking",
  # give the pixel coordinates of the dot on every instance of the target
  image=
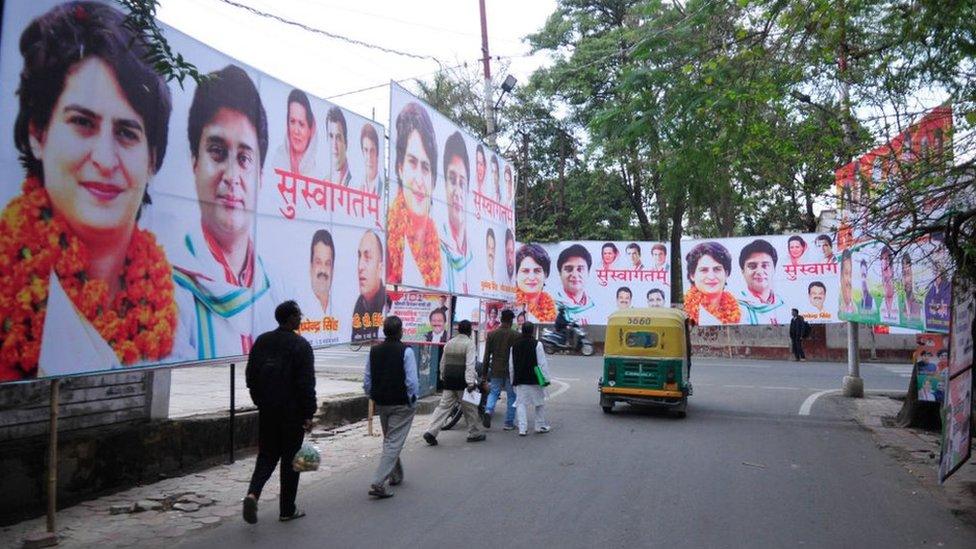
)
(281, 379)
(798, 330)
(391, 381)
(498, 347)
(457, 375)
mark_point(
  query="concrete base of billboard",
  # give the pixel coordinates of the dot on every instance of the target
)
(99, 461)
(853, 387)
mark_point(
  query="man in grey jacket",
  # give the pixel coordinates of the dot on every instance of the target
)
(458, 375)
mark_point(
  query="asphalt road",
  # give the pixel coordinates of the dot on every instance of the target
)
(744, 469)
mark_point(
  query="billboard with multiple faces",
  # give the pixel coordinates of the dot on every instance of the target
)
(144, 223)
(451, 215)
(759, 280)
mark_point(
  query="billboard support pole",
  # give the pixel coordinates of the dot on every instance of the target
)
(853, 385)
(233, 414)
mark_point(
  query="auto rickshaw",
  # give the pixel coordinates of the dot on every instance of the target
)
(647, 359)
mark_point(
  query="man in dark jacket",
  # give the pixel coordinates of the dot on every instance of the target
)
(498, 349)
(798, 331)
(391, 382)
(281, 378)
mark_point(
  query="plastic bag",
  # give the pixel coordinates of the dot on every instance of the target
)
(307, 458)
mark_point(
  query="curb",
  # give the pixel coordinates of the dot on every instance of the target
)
(346, 409)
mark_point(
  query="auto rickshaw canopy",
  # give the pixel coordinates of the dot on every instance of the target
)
(647, 332)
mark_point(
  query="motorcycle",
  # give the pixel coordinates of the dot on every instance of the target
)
(554, 341)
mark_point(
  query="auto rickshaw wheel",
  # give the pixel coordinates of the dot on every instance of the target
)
(607, 405)
(681, 412)
(608, 409)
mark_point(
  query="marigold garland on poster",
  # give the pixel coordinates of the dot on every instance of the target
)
(138, 322)
(728, 311)
(543, 308)
(401, 225)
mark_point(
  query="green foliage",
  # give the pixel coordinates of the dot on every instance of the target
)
(141, 20)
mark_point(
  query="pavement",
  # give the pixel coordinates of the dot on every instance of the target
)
(747, 468)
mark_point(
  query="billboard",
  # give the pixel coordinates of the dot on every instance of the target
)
(451, 216)
(957, 407)
(895, 283)
(145, 224)
(758, 280)
(590, 278)
(425, 316)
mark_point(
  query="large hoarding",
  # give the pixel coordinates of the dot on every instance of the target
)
(758, 280)
(903, 283)
(145, 224)
(590, 278)
(451, 206)
(957, 407)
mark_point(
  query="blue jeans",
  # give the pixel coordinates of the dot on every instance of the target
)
(496, 390)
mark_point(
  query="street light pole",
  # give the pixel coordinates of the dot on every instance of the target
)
(486, 62)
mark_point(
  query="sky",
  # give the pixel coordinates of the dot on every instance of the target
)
(331, 68)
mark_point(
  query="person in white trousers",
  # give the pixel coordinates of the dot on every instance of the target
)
(529, 373)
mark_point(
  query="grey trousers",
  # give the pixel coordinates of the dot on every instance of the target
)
(396, 422)
(444, 407)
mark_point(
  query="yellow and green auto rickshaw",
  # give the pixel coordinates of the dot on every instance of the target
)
(647, 359)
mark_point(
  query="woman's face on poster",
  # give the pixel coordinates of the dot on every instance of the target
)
(94, 152)
(456, 187)
(299, 132)
(416, 175)
(479, 169)
(709, 276)
(530, 276)
(609, 255)
(796, 249)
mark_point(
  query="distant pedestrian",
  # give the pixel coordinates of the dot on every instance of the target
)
(391, 381)
(498, 349)
(530, 390)
(281, 378)
(458, 374)
(799, 329)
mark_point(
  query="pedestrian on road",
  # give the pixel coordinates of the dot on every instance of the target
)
(799, 329)
(458, 375)
(391, 381)
(498, 350)
(527, 354)
(281, 378)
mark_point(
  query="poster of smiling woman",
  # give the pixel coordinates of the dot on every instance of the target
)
(450, 220)
(143, 223)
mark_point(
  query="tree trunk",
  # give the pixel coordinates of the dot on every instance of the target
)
(677, 214)
(917, 413)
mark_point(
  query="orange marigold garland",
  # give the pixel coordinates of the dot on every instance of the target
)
(543, 308)
(403, 225)
(727, 312)
(138, 322)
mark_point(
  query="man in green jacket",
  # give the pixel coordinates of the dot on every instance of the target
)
(497, 350)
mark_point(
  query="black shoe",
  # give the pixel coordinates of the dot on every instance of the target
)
(486, 421)
(477, 438)
(296, 515)
(250, 510)
(380, 491)
(396, 477)
(431, 439)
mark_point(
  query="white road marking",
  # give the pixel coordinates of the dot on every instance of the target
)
(562, 389)
(808, 403)
(567, 378)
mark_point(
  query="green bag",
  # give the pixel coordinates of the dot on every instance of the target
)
(541, 377)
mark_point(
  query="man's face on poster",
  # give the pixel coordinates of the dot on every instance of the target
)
(573, 275)
(757, 270)
(496, 185)
(371, 154)
(337, 148)
(864, 273)
(227, 172)
(437, 322)
(456, 189)
(509, 186)
(299, 131)
(323, 263)
(907, 278)
(659, 257)
(817, 297)
(609, 255)
(369, 266)
(635, 256)
(490, 253)
(510, 256)
(655, 299)
(623, 299)
(887, 277)
(828, 250)
(479, 169)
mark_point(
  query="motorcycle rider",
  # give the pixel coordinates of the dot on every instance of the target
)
(564, 327)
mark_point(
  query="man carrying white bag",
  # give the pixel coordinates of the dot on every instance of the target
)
(460, 382)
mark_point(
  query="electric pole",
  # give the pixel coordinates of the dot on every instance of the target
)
(486, 62)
